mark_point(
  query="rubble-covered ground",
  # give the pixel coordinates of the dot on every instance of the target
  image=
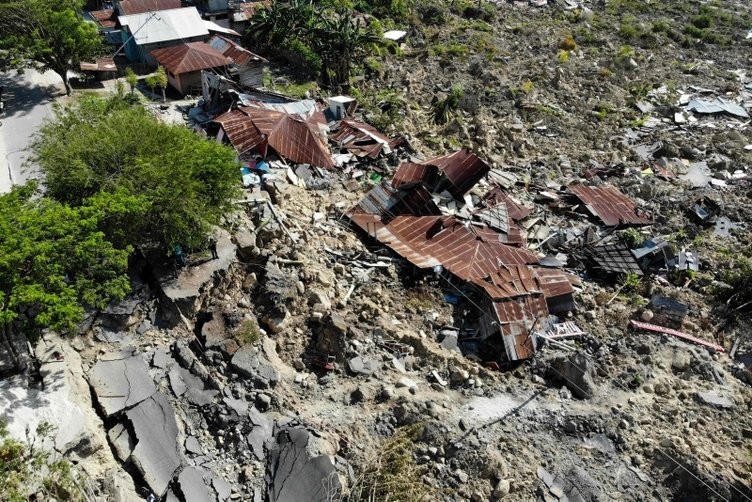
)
(215, 384)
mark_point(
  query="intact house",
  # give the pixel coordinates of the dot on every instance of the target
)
(185, 62)
(143, 33)
(248, 66)
(130, 7)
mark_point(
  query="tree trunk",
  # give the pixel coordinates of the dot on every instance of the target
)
(164, 96)
(64, 75)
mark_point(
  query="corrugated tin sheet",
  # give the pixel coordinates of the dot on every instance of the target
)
(462, 168)
(510, 282)
(129, 7)
(514, 210)
(169, 25)
(516, 318)
(362, 139)
(240, 131)
(410, 172)
(427, 241)
(609, 205)
(232, 50)
(189, 58)
(678, 334)
(553, 282)
(105, 18)
(292, 137)
(385, 202)
(614, 258)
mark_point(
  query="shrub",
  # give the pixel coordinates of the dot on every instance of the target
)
(567, 43)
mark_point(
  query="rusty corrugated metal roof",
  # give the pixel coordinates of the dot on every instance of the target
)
(428, 241)
(238, 54)
(609, 205)
(553, 282)
(363, 139)
(514, 210)
(105, 18)
(292, 137)
(240, 130)
(462, 168)
(410, 172)
(188, 58)
(386, 202)
(129, 7)
(516, 318)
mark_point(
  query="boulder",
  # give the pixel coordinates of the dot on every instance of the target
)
(251, 363)
(576, 371)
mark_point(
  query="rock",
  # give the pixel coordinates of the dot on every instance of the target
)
(501, 489)
(121, 441)
(250, 362)
(192, 485)
(161, 358)
(647, 315)
(362, 366)
(713, 398)
(681, 360)
(406, 382)
(177, 384)
(317, 296)
(449, 342)
(263, 401)
(156, 454)
(222, 488)
(293, 474)
(576, 371)
(120, 381)
(239, 406)
(262, 432)
(246, 243)
(192, 446)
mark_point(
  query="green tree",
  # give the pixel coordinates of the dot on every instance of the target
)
(109, 146)
(131, 78)
(158, 79)
(26, 469)
(46, 35)
(55, 261)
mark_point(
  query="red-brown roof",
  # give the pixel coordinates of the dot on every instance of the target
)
(188, 58)
(104, 18)
(514, 210)
(362, 139)
(410, 172)
(462, 168)
(129, 7)
(608, 204)
(240, 130)
(384, 202)
(428, 241)
(250, 8)
(233, 50)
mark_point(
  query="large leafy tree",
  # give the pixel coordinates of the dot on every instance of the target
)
(54, 259)
(48, 35)
(108, 145)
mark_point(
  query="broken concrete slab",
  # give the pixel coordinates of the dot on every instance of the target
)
(121, 382)
(294, 475)
(576, 371)
(362, 366)
(192, 446)
(239, 406)
(156, 454)
(261, 434)
(121, 441)
(222, 488)
(191, 484)
(715, 399)
(251, 363)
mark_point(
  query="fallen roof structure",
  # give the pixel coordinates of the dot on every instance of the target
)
(363, 140)
(456, 173)
(237, 53)
(609, 205)
(290, 135)
(105, 18)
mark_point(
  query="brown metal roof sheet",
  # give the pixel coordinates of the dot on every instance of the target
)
(240, 130)
(516, 318)
(462, 168)
(129, 7)
(238, 54)
(101, 64)
(363, 139)
(410, 172)
(105, 18)
(514, 210)
(609, 204)
(427, 241)
(292, 137)
(553, 282)
(188, 58)
(386, 202)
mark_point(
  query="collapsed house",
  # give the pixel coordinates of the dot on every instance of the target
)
(473, 254)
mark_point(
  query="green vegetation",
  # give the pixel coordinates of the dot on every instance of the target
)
(323, 40)
(131, 78)
(55, 260)
(100, 148)
(158, 79)
(632, 237)
(26, 470)
(392, 473)
(443, 108)
(563, 57)
(46, 35)
(248, 333)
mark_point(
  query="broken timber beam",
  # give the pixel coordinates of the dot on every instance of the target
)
(678, 334)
